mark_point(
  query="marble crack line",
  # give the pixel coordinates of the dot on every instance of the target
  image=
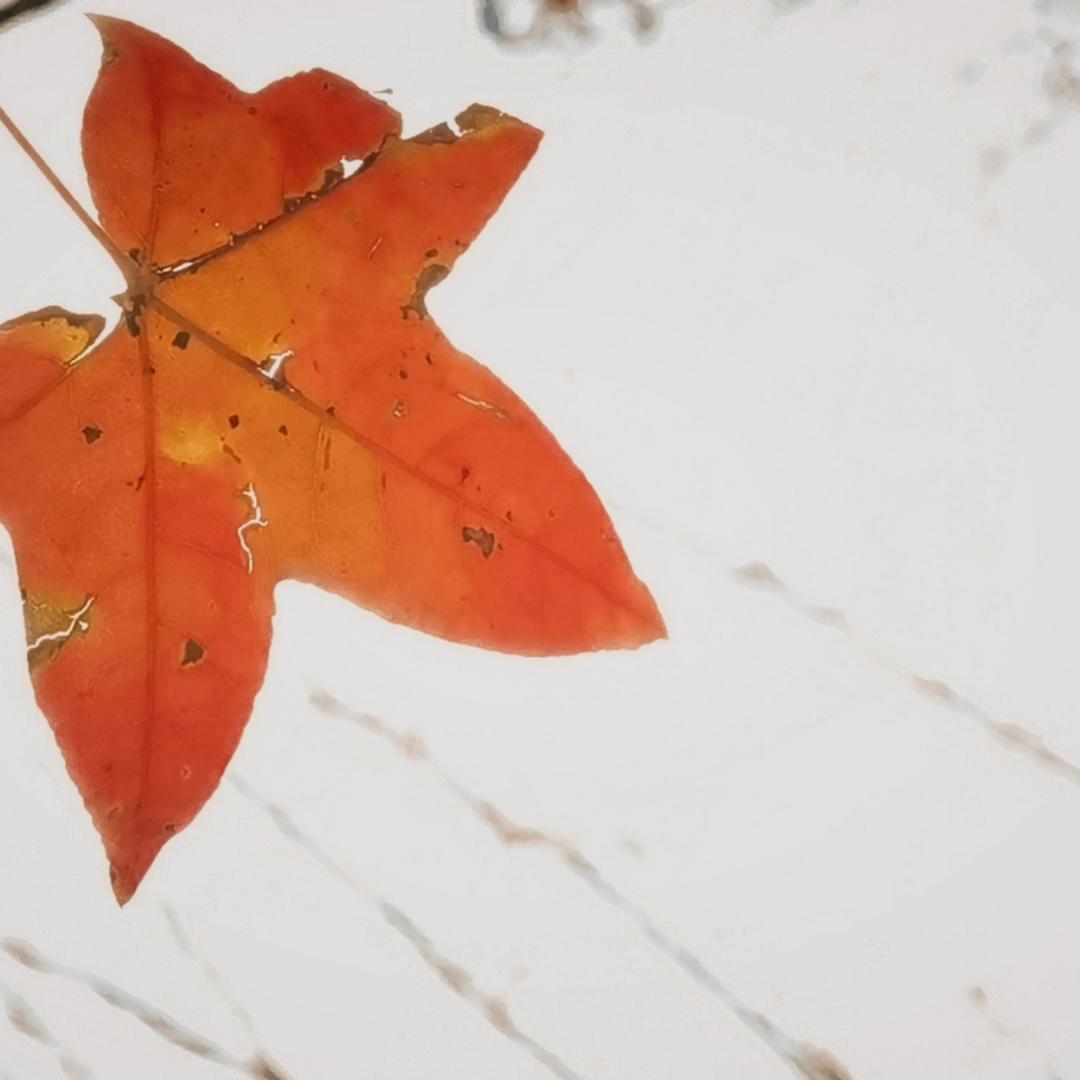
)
(456, 977)
(1014, 737)
(271, 1070)
(977, 998)
(805, 1060)
(26, 1021)
(164, 1026)
(760, 577)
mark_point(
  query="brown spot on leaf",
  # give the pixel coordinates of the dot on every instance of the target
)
(477, 117)
(193, 653)
(483, 539)
(180, 341)
(109, 53)
(91, 434)
(79, 331)
(426, 280)
(133, 310)
(440, 133)
(50, 626)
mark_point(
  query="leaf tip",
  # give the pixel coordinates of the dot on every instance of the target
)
(131, 851)
(110, 29)
(653, 628)
(639, 621)
(478, 119)
(126, 876)
(121, 889)
(101, 23)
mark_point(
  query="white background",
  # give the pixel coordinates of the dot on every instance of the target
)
(795, 285)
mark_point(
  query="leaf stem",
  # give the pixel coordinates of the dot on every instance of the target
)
(126, 265)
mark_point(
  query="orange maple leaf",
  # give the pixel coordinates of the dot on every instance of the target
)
(277, 403)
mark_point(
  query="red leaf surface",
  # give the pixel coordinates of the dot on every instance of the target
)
(277, 403)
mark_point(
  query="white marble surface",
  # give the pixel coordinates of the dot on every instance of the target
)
(797, 285)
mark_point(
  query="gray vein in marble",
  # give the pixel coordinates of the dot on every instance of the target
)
(23, 1019)
(270, 1069)
(759, 576)
(803, 1059)
(1014, 737)
(977, 996)
(158, 1021)
(456, 977)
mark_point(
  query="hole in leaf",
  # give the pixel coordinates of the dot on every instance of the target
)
(256, 521)
(272, 366)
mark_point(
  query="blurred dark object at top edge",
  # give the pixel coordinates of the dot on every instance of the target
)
(549, 17)
(10, 11)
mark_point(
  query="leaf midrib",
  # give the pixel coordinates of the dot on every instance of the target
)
(301, 400)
